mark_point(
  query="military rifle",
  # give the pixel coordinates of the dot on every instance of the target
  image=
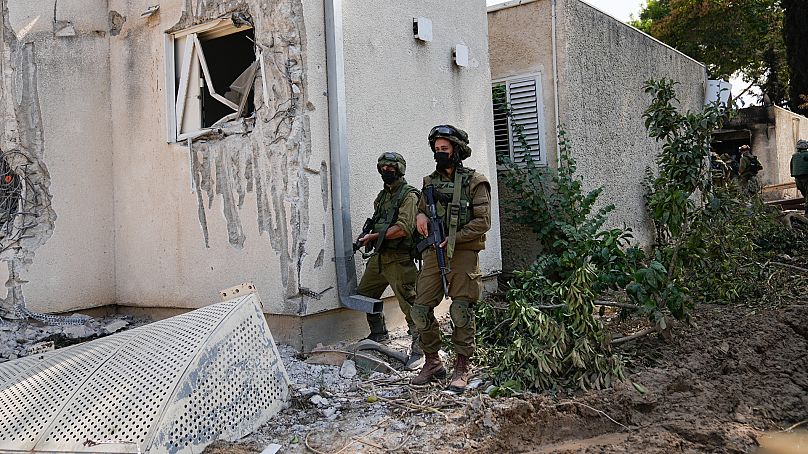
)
(367, 227)
(436, 236)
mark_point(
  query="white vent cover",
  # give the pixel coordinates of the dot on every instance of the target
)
(173, 386)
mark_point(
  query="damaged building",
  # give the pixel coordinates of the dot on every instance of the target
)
(173, 149)
(772, 133)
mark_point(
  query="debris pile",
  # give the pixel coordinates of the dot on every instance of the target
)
(19, 338)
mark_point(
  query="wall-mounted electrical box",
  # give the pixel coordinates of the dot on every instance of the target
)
(422, 28)
(461, 55)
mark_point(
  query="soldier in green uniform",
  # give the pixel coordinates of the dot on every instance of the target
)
(719, 170)
(394, 222)
(465, 206)
(799, 170)
(748, 168)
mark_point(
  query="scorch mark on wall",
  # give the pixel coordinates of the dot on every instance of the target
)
(272, 159)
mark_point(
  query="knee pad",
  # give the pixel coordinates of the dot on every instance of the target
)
(462, 313)
(421, 316)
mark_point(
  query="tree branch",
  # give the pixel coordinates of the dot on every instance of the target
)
(637, 335)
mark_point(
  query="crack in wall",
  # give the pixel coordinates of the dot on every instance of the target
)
(270, 161)
(22, 143)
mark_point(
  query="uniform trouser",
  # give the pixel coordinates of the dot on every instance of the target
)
(802, 185)
(465, 288)
(396, 270)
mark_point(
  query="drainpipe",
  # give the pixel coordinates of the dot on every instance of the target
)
(340, 188)
(555, 76)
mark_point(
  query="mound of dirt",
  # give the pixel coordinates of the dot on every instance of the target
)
(716, 387)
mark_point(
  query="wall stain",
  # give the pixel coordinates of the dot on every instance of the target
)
(22, 143)
(272, 159)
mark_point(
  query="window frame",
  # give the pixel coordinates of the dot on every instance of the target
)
(192, 53)
(537, 79)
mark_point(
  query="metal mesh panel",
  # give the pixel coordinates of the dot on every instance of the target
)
(205, 375)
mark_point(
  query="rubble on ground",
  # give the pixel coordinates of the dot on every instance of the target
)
(19, 338)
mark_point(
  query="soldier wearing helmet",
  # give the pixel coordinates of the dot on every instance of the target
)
(748, 168)
(393, 225)
(464, 203)
(799, 170)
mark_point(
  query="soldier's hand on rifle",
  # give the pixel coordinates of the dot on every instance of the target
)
(444, 243)
(422, 224)
(368, 239)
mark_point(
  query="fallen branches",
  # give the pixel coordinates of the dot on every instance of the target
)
(637, 335)
(793, 267)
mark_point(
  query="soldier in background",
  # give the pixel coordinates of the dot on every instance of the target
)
(799, 170)
(719, 171)
(748, 169)
(732, 164)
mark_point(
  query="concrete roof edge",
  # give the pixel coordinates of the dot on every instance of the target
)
(509, 4)
(790, 111)
(640, 31)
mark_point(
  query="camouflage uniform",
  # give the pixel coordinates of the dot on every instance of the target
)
(719, 170)
(464, 204)
(746, 172)
(465, 280)
(799, 170)
(391, 264)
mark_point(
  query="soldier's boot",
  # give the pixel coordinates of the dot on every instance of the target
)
(433, 368)
(378, 329)
(460, 375)
(416, 358)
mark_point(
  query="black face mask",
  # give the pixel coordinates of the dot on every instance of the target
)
(443, 161)
(389, 176)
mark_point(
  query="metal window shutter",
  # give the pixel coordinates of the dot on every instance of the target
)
(525, 116)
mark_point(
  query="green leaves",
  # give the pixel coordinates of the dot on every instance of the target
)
(729, 36)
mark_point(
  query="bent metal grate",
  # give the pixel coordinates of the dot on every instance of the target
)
(173, 386)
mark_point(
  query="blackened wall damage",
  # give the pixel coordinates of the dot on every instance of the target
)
(23, 149)
(271, 159)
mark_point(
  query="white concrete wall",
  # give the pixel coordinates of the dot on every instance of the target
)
(162, 259)
(75, 267)
(398, 88)
(603, 64)
(791, 127)
(520, 44)
(129, 229)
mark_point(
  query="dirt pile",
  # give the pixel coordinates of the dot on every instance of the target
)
(715, 387)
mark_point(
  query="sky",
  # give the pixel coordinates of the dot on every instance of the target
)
(620, 9)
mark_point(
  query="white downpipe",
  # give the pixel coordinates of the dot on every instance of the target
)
(555, 78)
(338, 142)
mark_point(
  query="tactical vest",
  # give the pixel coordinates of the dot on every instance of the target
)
(385, 214)
(446, 191)
(799, 164)
(460, 213)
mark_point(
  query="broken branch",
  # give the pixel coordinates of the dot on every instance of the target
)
(616, 304)
(634, 336)
(793, 267)
(601, 412)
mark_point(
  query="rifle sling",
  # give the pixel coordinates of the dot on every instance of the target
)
(454, 214)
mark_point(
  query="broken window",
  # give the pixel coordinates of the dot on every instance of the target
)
(519, 119)
(210, 70)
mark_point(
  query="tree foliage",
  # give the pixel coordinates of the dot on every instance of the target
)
(795, 32)
(730, 36)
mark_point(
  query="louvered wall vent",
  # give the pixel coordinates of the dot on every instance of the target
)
(173, 386)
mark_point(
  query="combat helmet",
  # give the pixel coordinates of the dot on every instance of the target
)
(802, 145)
(391, 158)
(455, 135)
